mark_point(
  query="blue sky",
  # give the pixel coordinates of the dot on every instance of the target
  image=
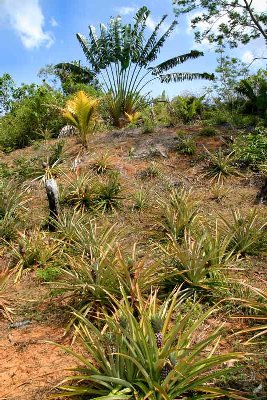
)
(34, 33)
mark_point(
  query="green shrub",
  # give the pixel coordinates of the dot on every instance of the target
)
(208, 131)
(187, 145)
(13, 203)
(176, 213)
(248, 233)
(220, 166)
(148, 121)
(151, 172)
(186, 109)
(30, 117)
(251, 149)
(48, 274)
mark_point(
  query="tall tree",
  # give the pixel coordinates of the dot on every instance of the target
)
(123, 59)
(235, 21)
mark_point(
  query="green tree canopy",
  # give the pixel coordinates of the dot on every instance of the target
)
(235, 21)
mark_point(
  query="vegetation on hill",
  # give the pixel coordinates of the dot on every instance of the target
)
(158, 252)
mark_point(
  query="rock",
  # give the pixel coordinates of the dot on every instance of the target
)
(67, 130)
(153, 151)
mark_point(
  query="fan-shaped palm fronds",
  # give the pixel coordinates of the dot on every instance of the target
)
(122, 56)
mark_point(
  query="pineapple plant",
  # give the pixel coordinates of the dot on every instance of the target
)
(157, 324)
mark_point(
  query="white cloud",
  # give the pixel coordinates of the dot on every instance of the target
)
(253, 58)
(27, 20)
(151, 23)
(53, 22)
(259, 5)
(248, 57)
(126, 10)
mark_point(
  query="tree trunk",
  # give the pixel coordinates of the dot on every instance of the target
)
(262, 195)
(53, 201)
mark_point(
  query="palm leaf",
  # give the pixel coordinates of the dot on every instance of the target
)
(182, 76)
(151, 42)
(171, 63)
(153, 53)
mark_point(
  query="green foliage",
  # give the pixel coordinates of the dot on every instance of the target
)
(85, 191)
(200, 259)
(141, 200)
(220, 166)
(7, 88)
(187, 144)
(254, 90)
(82, 112)
(176, 213)
(103, 164)
(208, 131)
(107, 196)
(121, 55)
(56, 153)
(13, 203)
(251, 149)
(48, 274)
(229, 72)
(73, 77)
(186, 109)
(243, 22)
(248, 233)
(148, 125)
(162, 112)
(34, 250)
(133, 358)
(29, 117)
(6, 310)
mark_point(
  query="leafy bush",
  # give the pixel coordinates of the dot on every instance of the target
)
(251, 149)
(30, 117)
(200, 259)
(102, 164)
(148, 121)
(254, 90)
(148, 351)
(187, 145)
(248, 233)
(208, 131)
(13, 202)
(87, 192)
(176, 213)
(48, 274)
(220, 166)
(186, 109)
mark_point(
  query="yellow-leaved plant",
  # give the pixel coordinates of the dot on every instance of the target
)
(82, 112)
